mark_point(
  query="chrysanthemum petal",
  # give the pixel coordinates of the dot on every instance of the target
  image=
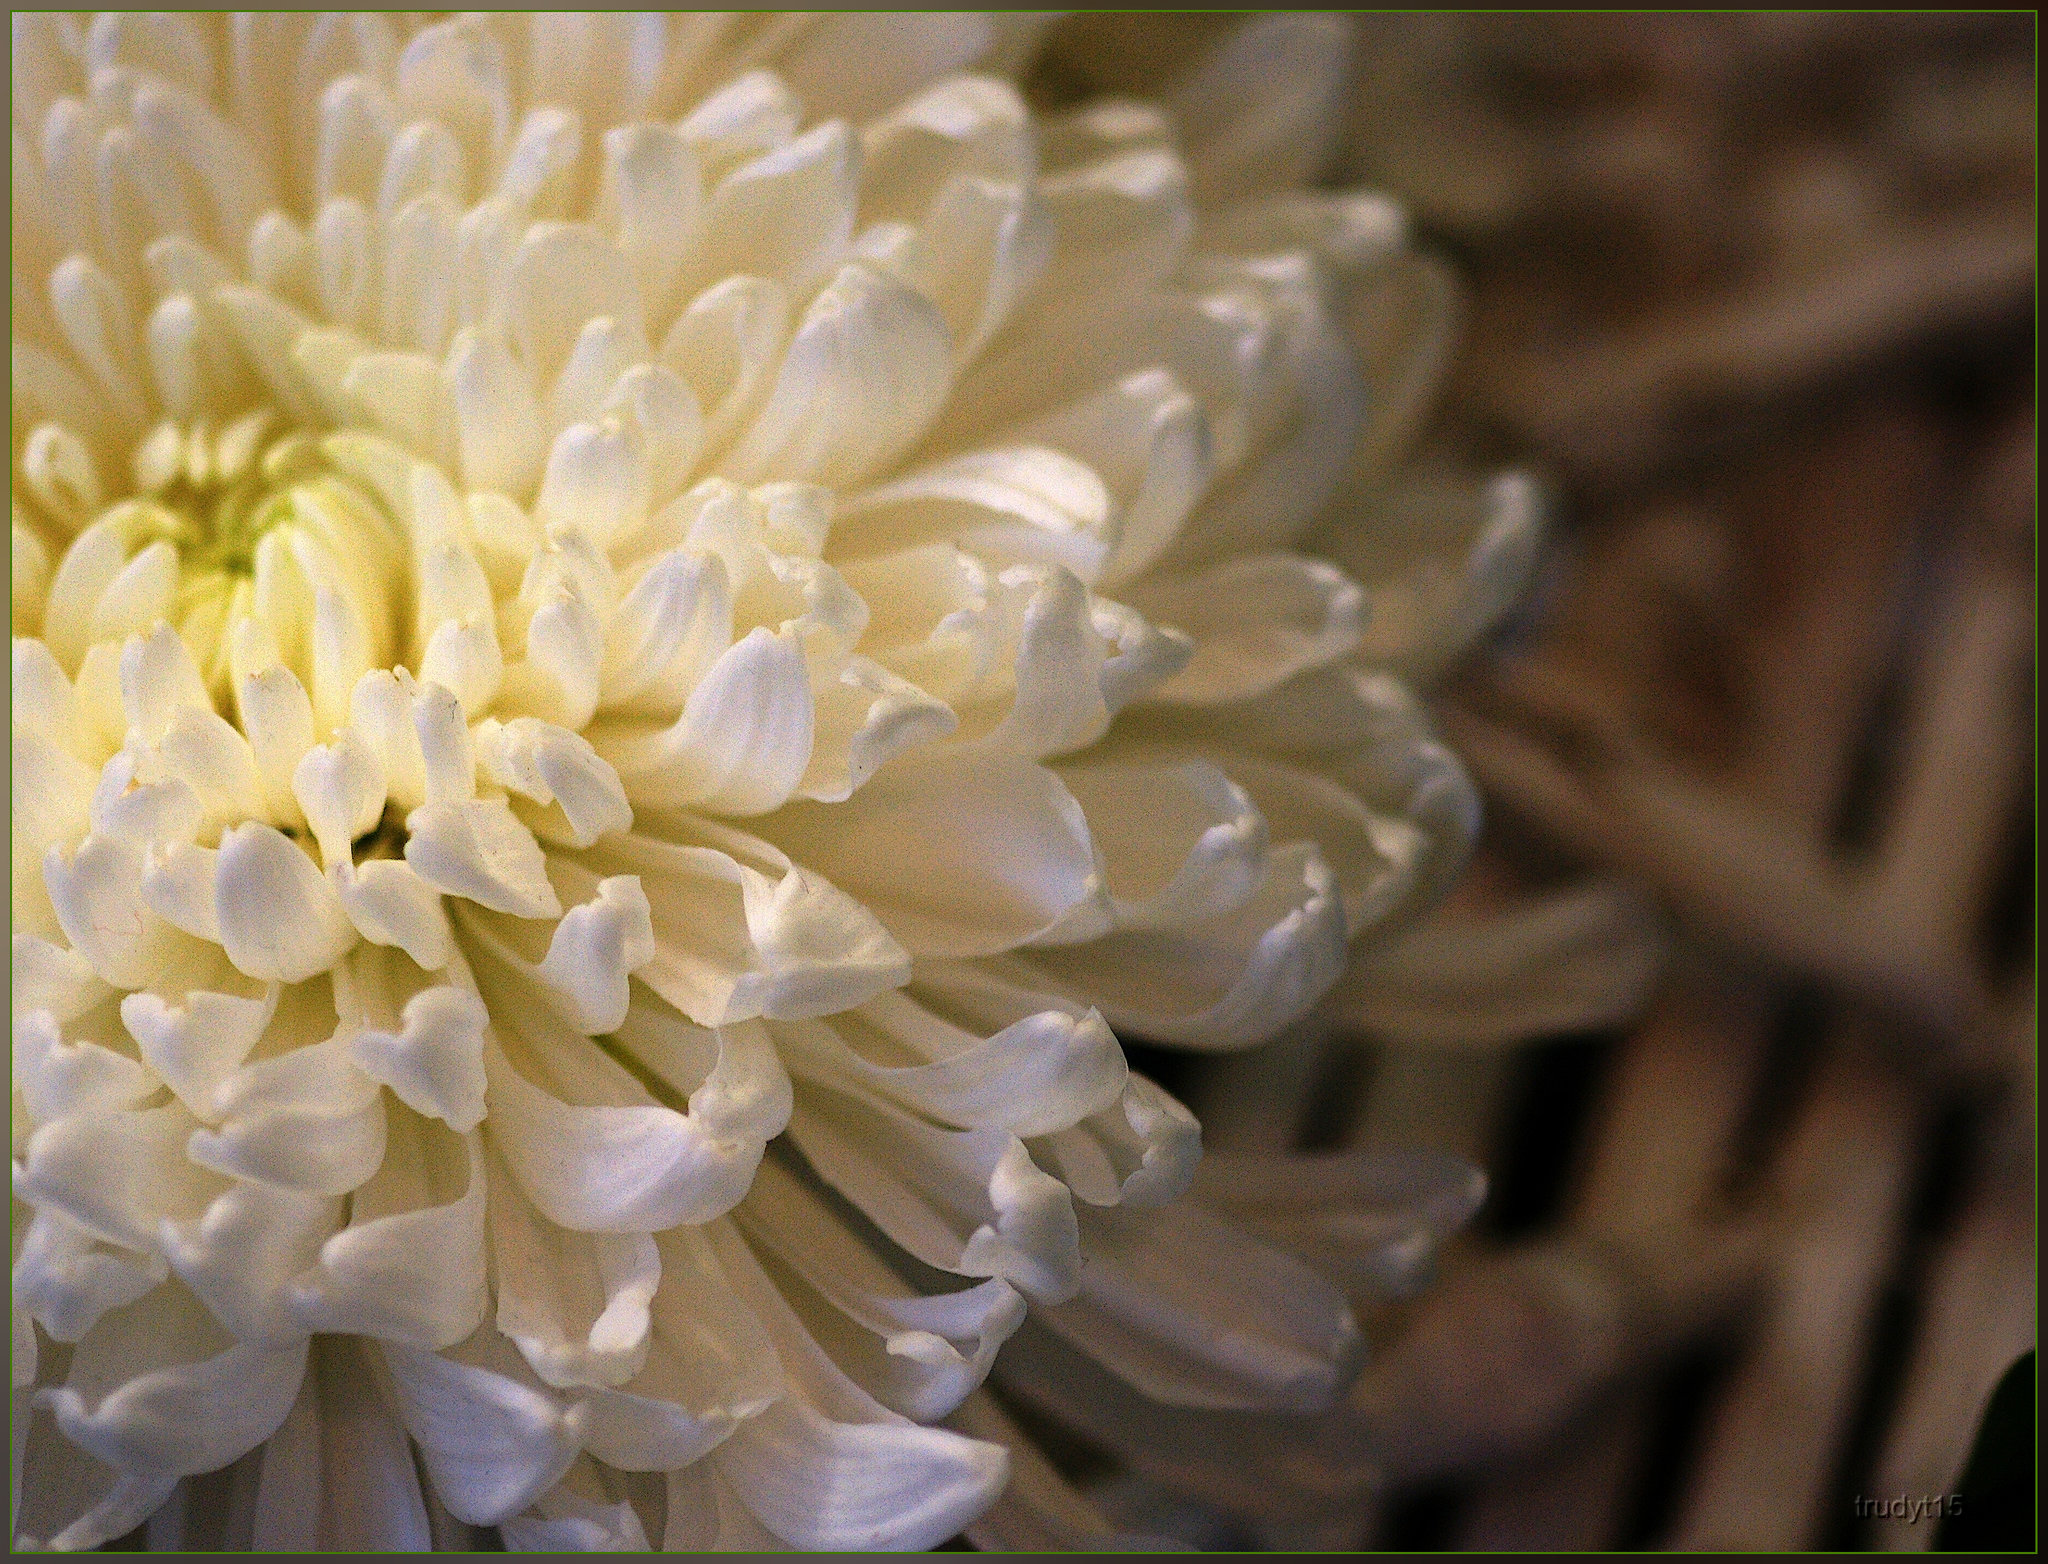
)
(57, 1078)
(867, 370)
(65, 1279)
(709, 1367)
(574, 1303)
(197, 1044)
(1140, 1150)
(117, 1174)
(339, 1472)
(911, 846)
(1195, 1313)
(827, 1467)
(306, 1119)
(740, 931)
(492, 1441)
(158, 1391)
(409, 1266)
(280, 921)
(240, 1255)
(967, 1201)
(1440, 564)
(1256, 621)
(742, 742)
(1042, 1072)
(1360, 1217)
(917, 1353)
(594, 1151)
(1229, 981)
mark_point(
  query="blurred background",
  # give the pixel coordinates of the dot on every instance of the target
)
(1753, 298)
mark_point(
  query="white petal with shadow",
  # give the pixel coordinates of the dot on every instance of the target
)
(280, 920)
(1255, 620)
(118, 1175)
(478, 849)
(1363, 1218)
(828, 1467)
(967, 1201)
(1227, 982)
(58, 1078)
(575, 1304)
(158, 1391)
(958, 852)
(1196, 1313)
(919, 1353)
(740, 931)
(1140, 1150)
(492, 1440)
(576, 1516)
(1007, 505)
(197, 1044)
(742, 742)
(306, 1119)
(50, 977)
(868, 369)
(1041, 1073)
(1177, 840)
(422, 1039)
(65, 1279)
(593, 1150)
(1441, 561)
(409, 1266)
(240, 1256)
(709, 1367)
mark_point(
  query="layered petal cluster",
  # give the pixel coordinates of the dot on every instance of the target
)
(634, 645)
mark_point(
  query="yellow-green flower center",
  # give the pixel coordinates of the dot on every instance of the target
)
(214, 494)
(240, 503)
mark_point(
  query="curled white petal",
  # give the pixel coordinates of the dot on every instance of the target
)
(157, 1394)
(195, 1046)
(491, 1443)
(433, 1060)
(478, 849)
(550, 765)
(410, 1265)
(595, 947)
(605, 1157)
(576, 1304)
(969, 1201)
(391, 903)
(280, 921)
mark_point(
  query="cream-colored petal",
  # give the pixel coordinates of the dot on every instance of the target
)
(916, 1353)
(1227, 982)
(868, 369)
(709, 1367)
(306, 1119)
(740, 931)
(157, 1392)
(957, 853)
(118, 1174)
(491, 1439)
(409, 1266)
(967, 1201)
(280, 920)
(1196, 1313)
(576, 1304)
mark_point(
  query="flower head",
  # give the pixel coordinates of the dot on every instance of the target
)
(592, 593)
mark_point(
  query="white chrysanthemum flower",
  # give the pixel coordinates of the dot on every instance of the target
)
(594, 592)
